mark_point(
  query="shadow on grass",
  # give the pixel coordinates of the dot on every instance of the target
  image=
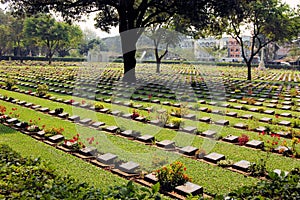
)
(6, 130)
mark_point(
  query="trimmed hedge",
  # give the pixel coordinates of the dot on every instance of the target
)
(61, 59)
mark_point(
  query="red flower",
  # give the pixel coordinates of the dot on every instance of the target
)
(277, 116)
(184, 169)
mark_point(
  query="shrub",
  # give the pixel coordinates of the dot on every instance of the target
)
(177, 122)
(10, 82)
(53, 131)
(135, 114)
(42, 90)
(277, 187)
(225, 163)
(258, 169)
(98, 106)
(171, 176)
(243, 139)
(59, 111)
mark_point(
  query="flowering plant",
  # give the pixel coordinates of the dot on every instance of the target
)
(135, 114)
(243, 139)
(171, 176)
(74, 143)
(53, 131)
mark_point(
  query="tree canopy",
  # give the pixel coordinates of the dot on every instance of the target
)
(45, 31)
(132, 16)
(266, 20)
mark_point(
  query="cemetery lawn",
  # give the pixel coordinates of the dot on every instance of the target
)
(64, 164)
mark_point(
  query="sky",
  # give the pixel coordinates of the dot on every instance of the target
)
(89, 23)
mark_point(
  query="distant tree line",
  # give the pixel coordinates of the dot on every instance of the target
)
(42, 35)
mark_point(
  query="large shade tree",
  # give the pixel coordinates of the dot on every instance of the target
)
(132, 16)
(267, 21)
(45, 31)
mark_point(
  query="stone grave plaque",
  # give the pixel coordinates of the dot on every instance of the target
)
(127, 116)
(107, 158)
(214, 157)
(189, 129)
(155, 122)
(84, 105)
(281, 149)
(285, 123)
(74, 103)
(253, 109)
(85, 121)
(167, 144)
(155, 101)
(286, 107)
(97, 124)
(44, 109)
(231, 138)
(265, 119)
(36, 106)
(130, 133)
(140, 119)
(243, 102)
(205, 119)
(111, 129)
(258, 104)
(12, 121)
(238, 107)
(232, 100)
(269, 112)
(283, 134)
(74, 118)
(260, 129)
(203, 109)
(240, 126)
(63, 115)
(22, 103)
(56, 138)
(188, 150)
(255, 144)
(202, 101)
(287, 103)
(285, 115)
(116, 112)
(189, 189)
(247, 116)
(151, 178)
(209, 133)
(271, 105)
(104, 110)
(274, 101)
(190, 116)
(146, 138)
(129, 167)
(88, 151)
(222, 122)
(261, 99)
(231, 114)
(242, 165)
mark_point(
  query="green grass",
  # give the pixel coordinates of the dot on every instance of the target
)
(140, 153)
(64, 164)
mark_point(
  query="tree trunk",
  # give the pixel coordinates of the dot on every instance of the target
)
(128, 41)
(158, 66)
(129, 67)
(249, 70)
